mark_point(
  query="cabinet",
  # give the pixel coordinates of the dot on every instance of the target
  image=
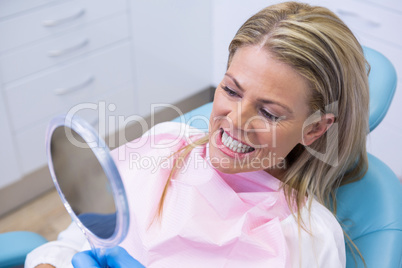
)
(104, 60)
(8, 160)
(60, 56)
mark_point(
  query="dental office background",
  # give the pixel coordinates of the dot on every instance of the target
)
(125, 57)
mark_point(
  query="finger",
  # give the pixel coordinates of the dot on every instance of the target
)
(118, 257)
(84, 259)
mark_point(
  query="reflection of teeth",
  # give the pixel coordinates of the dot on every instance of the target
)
(235, 145)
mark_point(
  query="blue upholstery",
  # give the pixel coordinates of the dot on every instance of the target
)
(14, 246)
(382, 80)
(198, 118)
(371, 209)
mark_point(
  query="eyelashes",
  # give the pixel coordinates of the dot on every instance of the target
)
(270, 116)
(230, 92)
(266, 114)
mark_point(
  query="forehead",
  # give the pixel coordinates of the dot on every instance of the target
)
(261, 75)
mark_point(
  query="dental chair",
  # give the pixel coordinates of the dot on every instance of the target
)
(14, 246)
(371, 207)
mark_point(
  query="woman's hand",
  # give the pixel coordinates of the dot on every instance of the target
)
(116, 257)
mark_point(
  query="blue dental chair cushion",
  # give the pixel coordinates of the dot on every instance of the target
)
(382, 81)
(370, 211)
(14, 246)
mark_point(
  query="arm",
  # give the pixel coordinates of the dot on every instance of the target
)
(58, 253)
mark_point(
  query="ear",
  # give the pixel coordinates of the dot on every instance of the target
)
(317, 128)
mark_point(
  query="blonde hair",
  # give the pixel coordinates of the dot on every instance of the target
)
(320, 47)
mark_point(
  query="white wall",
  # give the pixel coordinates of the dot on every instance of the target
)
(228, 16)
(172, 46)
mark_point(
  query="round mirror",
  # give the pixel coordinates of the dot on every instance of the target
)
(88, 182)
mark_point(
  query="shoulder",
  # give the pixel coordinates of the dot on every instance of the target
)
(324, 225)
(320, 243)
(318, 219)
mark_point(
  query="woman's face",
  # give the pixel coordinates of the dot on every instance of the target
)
(258, 113)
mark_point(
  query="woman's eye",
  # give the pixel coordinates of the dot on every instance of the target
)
(269, 116)
(229, 91)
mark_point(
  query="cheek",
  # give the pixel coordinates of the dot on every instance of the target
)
(282, 139)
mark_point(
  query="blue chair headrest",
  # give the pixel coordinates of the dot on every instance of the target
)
(382, 80)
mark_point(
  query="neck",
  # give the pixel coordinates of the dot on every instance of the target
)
(277, 172)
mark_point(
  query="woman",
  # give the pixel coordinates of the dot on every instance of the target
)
(288, 126)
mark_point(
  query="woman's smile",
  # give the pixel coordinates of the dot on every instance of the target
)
(232, 146)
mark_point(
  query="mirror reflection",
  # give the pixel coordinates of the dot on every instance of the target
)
(83, 182)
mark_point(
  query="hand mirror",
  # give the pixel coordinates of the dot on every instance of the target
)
(88, 182)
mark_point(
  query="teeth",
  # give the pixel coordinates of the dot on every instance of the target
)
(235, 145)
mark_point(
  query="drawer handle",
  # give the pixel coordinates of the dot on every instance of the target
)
(60, 52)
(57, 22)
(351, 14)
(63, 91)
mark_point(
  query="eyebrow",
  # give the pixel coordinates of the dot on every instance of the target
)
(265, 101)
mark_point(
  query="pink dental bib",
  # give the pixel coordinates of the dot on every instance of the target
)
(209, 219)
